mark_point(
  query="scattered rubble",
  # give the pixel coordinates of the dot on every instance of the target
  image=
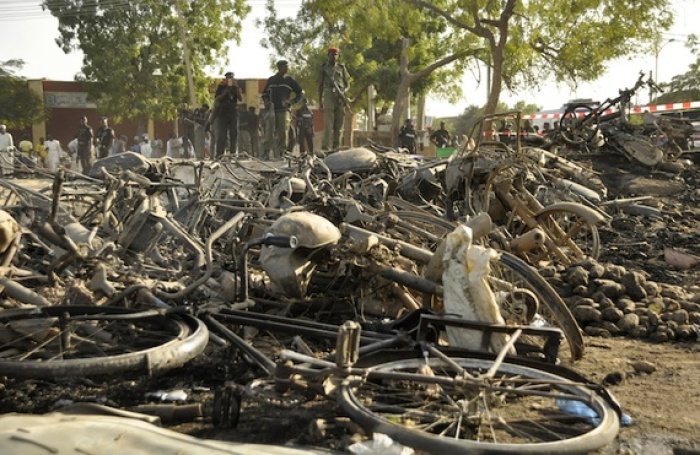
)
(360, 234)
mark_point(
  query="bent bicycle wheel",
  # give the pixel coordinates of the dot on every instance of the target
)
(579, 124)
(520, 289)
(576, 236)
(520, 409)
(69, 341)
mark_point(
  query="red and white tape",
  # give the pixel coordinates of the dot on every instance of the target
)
(634, 110)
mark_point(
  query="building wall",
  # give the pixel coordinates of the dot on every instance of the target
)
(68, 102)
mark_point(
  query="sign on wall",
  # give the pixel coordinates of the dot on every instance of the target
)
(67, 100)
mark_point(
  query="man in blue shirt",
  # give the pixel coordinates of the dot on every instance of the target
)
(276, 95)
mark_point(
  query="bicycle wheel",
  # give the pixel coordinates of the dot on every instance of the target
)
(524, 296)
(579, 124)
(66, 341)
(424, 404)
(574, 235)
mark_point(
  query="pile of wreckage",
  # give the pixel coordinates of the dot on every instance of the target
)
(143, 264)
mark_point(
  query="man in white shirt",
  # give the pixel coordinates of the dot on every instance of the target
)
(6, 151)
(146, 149)
(54, 151)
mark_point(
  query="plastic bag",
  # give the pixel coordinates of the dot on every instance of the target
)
(380, 444)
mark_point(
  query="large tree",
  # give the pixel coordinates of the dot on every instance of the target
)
(135, 50)
(390, 45)
(523, 43)
(528, 42)
(20, 107)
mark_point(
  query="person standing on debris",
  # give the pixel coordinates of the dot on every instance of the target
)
(441, 137)
(305, 128)
(225, 116)
(276, 95)
(332, 85)
(105, 139)
(85, 138)
(407, 136)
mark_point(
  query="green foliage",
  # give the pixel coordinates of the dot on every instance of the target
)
(572, 41)
(531, 42)
(372, 58)
(133, 63)
(20, 107)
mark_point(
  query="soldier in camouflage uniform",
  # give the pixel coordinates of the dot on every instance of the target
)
(332, 84)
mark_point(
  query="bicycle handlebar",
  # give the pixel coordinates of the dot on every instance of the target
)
(281, 241)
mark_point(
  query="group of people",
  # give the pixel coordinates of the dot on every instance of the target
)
(48, 151)
(408, 137)
(229, 125)
(281, 127)
(88, 145)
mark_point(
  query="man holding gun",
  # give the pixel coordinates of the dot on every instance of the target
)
(332, 85)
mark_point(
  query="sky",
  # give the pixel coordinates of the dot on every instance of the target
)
(29, 34)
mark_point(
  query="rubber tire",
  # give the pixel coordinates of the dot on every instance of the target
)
(563, 319)
(190, 340)
(598, 437)
(595, 235)
(570, 135)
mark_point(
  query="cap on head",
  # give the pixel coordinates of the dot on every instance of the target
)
(229, 74)
(3, 127)
(333, 50)
(282, 63)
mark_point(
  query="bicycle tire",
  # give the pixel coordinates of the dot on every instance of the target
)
(428, 412)
(174, 340)
(578, 124)
(509, 272)
(552, 309)
(587, 241)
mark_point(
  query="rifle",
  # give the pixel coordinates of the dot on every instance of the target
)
(340, 93)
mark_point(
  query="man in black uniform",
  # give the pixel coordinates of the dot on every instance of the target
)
(276, 94)
(227, 96)
(105, 139)
(407, 136)
(85, 137)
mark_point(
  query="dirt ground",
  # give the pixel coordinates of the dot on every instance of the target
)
(664, 405)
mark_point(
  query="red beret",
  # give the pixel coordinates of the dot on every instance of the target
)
(333, 50)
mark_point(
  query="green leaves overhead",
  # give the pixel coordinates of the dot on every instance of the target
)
(133, 52)
(19, 105)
